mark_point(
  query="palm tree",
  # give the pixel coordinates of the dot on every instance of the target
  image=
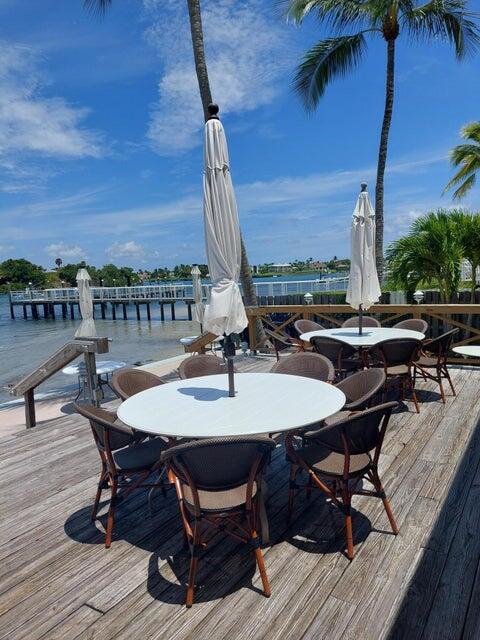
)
(431, 254)
(468, 224)
(196, 28)
(437, 19)
(468, 157)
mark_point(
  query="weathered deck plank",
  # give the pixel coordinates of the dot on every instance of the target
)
(57, 580)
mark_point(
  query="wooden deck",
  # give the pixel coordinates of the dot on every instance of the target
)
(58, 582)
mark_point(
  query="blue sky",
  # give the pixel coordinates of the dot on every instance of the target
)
(101, 133)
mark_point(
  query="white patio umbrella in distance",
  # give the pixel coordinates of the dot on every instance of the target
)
(87, 326)
(225, 313)
(198, 307)
(363, 285)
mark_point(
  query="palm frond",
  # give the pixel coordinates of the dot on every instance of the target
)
(97, 6)
(336, 13)
(465, 187)
(445, 19)
(471, 131)
(465, 153)
(328, 59)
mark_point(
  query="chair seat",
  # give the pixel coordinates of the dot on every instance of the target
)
(399, 370)
(427, 362)
(219, 500)
(140, 456)
(330, 462)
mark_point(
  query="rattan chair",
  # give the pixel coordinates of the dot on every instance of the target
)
(342, 355)
(218, 483)
(397, 356)
(306, 364)
(282, 342)
(343, 452)
(128, 382)
(367, 321)
(432, 361)
(201, 365)
(413, 324)
(304, 326)
(125, 463)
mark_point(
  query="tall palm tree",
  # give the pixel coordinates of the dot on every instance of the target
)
(431, 253)
(468, 224)
(196, 28)
(466, 156)
(437, 19)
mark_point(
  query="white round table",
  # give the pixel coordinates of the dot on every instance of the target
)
(104, 367)
(370, 335)
(201, 408)
(472, 350)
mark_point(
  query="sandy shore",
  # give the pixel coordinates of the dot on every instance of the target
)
(12, 414)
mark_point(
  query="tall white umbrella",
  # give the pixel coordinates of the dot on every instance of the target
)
(198, 307)
(224, 313)
(87, 326)
(363, 285)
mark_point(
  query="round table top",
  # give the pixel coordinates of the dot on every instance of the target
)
(370, 335)
(200, 407)
(467, 350)
(103, 366)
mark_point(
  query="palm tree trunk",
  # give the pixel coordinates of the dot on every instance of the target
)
(194, 12)
(382, 156)
(196, 29)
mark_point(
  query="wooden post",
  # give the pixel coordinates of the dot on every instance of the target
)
(64, 310)
(162, 312)
(102, 310)
(92, 378)
(251, 333)
(172, 305)
(45, 310)
(12, 311)
(148, 311)
(72, 312)
(30, 419)
(124, 306)
(114, 314)
(137, 309)
(52, 310)
(189, 310)
(25, 315)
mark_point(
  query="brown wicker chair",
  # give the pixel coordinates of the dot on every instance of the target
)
(367, 321)
(125, 463)
(218, 484)
(432, 361)
(344, 451)
(128, 382)
(413, 324)
(201, 365)
(307, 364)
(304, 326)
(342, 355)
(397, 357)
(282, 343)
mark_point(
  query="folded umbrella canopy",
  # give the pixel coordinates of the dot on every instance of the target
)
(198, 307)
(225, 313)
(87, 326)
(363, 285)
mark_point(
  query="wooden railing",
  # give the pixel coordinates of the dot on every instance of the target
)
(440, 317)
(87, 347)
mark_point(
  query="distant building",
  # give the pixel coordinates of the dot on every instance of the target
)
(281, 267)
(466, 271)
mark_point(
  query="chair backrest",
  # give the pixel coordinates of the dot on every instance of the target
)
(201, 365)
(363, 385)
(306, 364)
(304, 326)
(332, 348)
(108, 433)
(413, 324)
(441, 346)
(218, 464)
(367, 321)
(361, 432)
(279, 342)
(128, 382)
(396, 351)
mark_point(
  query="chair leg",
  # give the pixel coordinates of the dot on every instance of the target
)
(98, 495)
(447, 375)
(348, 521)
(110, 516)
(439, 380)
(414, 395)
(193, 563)
(388, 510)
(261, 565)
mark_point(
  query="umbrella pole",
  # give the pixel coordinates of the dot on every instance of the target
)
(360, 320)
(229, 351)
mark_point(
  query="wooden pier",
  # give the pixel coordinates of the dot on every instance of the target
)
(58, 582)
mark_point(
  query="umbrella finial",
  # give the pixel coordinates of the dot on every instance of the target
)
(213, 110)
(363, 186)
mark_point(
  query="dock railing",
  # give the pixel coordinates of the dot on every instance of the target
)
(441, 317)
(87, 347)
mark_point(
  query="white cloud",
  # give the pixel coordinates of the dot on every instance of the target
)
(62, 250)
(247, 51)
(5, 248)
(32, 124)
(129, 249)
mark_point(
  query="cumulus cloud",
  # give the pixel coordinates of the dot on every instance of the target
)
(31, 123)
(246, 52)
(129, 249)
(62, 250)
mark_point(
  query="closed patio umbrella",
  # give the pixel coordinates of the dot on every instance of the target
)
(363, 285)
(87, 326)
(225, 313)
(198, 307)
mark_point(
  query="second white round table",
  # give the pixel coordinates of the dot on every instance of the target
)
(200, 407)
(370, 335)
